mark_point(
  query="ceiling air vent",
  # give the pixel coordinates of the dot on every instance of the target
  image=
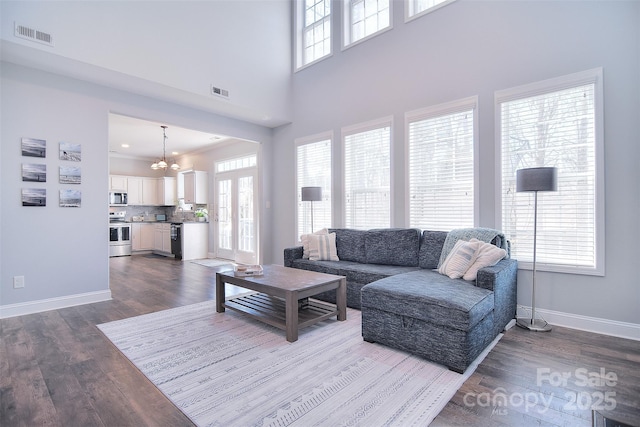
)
(219, 92)
(32, 34)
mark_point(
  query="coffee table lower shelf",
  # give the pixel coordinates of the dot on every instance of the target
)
(271, 310)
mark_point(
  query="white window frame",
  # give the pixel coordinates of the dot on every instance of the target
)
(453, 107)
(410, 6)
(593, 76)
(327, 193)
(299, 25)
(359, 128)
(347, 25)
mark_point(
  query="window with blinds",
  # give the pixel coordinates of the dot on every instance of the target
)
(367, 176)
(555, 124)
(364, 18)
(313, 169)
(441, 166)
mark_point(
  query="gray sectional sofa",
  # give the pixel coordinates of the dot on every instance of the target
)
(407, 304)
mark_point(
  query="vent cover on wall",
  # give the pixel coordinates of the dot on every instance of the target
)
(219, 92)
(32, 34)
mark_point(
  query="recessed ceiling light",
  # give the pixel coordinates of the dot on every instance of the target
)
(174, 153)
(125, 145)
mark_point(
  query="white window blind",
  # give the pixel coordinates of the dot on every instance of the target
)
(554, 128)
(365, 18)
(313, 161)
(441, 169)
(367, 178)
(316, 31)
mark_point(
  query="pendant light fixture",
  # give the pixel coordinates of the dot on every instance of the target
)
(162, 164)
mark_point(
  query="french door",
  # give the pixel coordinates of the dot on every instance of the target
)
(236, 216)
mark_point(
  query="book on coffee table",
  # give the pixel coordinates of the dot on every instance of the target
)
(247, 270)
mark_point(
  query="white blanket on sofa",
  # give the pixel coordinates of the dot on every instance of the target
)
(482, 234)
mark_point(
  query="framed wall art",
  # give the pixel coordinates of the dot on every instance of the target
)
(70, 175)
(32, 147)
(71, 152)
(70, 198)
(34, 172)
(34, 197)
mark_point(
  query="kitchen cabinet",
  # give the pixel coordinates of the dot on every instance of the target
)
(167, 191)
(195, 240)
(150, 192)
(134, 190)
(142, 236)
(162, 237)
(195, 188)
(117, 183)
(146, 191)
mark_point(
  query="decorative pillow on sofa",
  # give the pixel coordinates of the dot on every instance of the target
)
(322, 247)
(305, 242)
(487, 255)
(460, 258)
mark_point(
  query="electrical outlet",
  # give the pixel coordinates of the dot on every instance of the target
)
(18, 282)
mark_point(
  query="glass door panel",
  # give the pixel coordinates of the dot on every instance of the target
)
(236, 216)
(224, 219)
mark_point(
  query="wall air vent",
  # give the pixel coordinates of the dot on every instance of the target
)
(32, 34)
(219, 92)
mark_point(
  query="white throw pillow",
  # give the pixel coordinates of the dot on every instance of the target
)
(460, 258)
(305, 242)
(322, 247)
(487, 255)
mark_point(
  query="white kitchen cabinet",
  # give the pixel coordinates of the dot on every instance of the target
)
(134, 190)
(150, 192)
(162, 237)
(142, 236)
(117, 183)
(167, 191)
(195, 188)
(195, 241)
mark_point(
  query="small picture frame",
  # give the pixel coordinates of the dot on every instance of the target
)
(34, 197)
(34, 172)
(70, 175)
(70, 152)
(32, 147)
(70, 198)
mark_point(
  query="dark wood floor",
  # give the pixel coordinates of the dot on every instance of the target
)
(56, 368)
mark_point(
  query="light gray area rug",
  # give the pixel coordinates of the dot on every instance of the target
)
(225, 369)
(210, 262)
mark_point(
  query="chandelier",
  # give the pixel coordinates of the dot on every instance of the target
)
(162, 164)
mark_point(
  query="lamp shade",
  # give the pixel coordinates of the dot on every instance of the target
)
(311, 194)
(537, 179)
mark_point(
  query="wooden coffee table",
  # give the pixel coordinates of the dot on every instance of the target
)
(283, 297)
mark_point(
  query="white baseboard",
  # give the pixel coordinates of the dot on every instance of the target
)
(585, 323)
(38, 306)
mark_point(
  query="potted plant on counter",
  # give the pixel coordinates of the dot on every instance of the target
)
(202, 214)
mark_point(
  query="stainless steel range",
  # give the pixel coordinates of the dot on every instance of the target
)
(119, 235)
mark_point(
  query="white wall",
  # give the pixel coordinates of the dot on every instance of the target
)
(63, 252)
(172, 50)
(476, 48)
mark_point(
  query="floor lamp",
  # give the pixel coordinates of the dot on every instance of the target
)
(527, 180)
(311, 194)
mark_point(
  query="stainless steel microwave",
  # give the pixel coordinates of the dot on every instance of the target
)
(118, 198)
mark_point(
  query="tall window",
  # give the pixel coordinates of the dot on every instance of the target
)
(313, 164)
(555, 123)
(363, 18)
(415, 8)
(314, 30)
(367, 175)
(441, 166)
